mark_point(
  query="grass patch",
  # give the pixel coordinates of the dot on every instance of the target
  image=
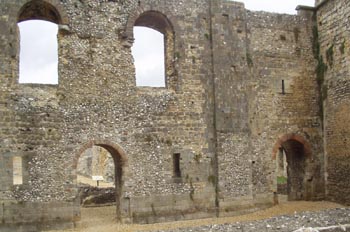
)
(282, 180)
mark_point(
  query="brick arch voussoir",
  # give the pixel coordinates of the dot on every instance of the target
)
(296, 137)
(129, 28)
(113, 148)
(56, 4)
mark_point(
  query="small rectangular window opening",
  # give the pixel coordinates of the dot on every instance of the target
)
(176, 164)
(17, 170)
(283, 87)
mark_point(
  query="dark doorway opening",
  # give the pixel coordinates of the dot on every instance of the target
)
(291, 162)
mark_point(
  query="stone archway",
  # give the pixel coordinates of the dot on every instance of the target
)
(49, 10)
(291, 153)
(119, 160)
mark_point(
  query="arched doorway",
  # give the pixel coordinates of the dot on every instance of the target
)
(92, 165)
(291, 153)
(96, 177)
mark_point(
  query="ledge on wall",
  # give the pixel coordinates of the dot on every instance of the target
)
(306, 11)
(312, 8)
(307, 8)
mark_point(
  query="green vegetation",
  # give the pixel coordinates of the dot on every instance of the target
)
(191, 191)
(177, 55)
(197, 157)
(324, 92)
(321, 68)
(296, 34)
(315, 44)
(342, 47)
(148, 138)
(249, 60)
(282, 180)
(212, 179)
(168, 142)
(330, 55)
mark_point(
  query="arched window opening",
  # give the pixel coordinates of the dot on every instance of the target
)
(153, 50)
(148, 53)
(38, 59)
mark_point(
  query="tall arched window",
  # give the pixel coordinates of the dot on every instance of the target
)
(153, 50)
(38, 59)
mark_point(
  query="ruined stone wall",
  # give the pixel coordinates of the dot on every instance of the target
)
(253, 53)
(281, 54)
(174, 120)
(333, 71)
(232, 78)
(224, 110)
(97, 103)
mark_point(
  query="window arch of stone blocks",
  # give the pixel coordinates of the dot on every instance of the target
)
(161, 23)
(49, 10)
(285, 138)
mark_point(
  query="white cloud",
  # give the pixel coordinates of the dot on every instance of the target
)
(148, 52)
(278, 6)
(38, 52)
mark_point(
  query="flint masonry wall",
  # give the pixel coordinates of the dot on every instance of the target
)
(278, 112)
(253, 53)
(223, 110)
(97, 103)
(333, 69)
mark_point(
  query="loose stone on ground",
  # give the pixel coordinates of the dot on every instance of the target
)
(290, 216)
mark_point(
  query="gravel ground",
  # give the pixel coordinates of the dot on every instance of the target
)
(284, 217)
(340, 216)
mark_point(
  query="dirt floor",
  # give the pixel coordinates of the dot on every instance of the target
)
(102, 218)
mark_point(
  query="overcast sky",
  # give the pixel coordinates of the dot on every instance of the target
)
(38, 54)
(278, 6)
(148, 53)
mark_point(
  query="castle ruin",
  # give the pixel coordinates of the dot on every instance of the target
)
(255, 110)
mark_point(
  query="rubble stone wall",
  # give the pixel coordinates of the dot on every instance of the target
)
(223, 112)
(334, 43)
(254, 53)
